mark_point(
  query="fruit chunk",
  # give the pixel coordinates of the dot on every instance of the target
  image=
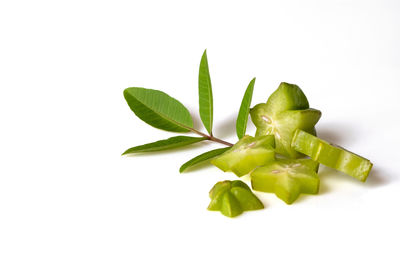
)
(232, 198)
(247, 154)
(287, 178)
(332, 155)
(287, 97)
(286, 110)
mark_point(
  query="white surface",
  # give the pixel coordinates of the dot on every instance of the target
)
(67, 197)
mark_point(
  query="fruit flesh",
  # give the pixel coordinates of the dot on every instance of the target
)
(232, 198)
(286, 110)
(287, 97)
(332, 155)
(248, 153)
(283, 124)
(287, 178)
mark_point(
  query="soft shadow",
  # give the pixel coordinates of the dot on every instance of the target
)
(324, 187)
(330, 135)
(330, 177)
(197, 123)
(377, 177)
(302, 198)
(336, 133)
(227, 128)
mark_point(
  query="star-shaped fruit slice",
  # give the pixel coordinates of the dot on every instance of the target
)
(286, 110)
(287, 178)
(287, 97)
(331, 155)
(232, 198)
(248, 153)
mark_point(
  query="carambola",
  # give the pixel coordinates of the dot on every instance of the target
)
(232, 198)
(287, 178)
(246, 154)
(286, 110)
(331, 155)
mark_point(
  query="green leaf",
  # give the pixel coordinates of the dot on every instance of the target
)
(243, 116)
(205, 94)
(173, 142)
(203, 157)
(158, 109)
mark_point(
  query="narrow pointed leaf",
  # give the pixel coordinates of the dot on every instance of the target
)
(170, 143)
(158, 109)
(205, 94)
(203, 157)
(243, 116)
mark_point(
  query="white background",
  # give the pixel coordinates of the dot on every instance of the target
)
(67, 197)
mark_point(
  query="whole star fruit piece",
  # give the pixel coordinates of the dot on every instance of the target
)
(232, 198)
(248, 153)
(287, 178)
(287, 97)
(331, 155)
(283, 124)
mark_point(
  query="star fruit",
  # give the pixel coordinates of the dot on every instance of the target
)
(232, 198)
(287, 178)
(248, 153)
(332, 155)
(286, 110)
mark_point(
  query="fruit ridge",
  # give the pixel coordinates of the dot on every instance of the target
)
(331, 155)
(248, 153)
(232, 198)
(286, 110)
(287, 178)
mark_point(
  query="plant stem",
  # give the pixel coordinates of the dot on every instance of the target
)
(211, 138)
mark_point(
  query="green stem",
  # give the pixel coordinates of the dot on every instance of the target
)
(211, 138)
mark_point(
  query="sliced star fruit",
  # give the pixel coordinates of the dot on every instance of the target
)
(283, 124)
(232, 198)
(331, 155)
(287, 97)
(248, 153)
(287, 178)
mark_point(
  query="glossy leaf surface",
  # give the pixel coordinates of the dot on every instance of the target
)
(203, 157)
(158, 109)
(243, 116)
(170, 143)
(205, 94)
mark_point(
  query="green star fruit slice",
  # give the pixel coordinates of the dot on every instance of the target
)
(232, 198)
(217, 189)
(287, 178)
(247, 200)
(331, 155)
(248, 153)
(282, 125)
(287, 97)
(230, 205)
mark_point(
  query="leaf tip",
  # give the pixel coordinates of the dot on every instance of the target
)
(125, 92)
(204, 54)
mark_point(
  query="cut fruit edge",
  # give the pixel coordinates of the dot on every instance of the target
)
(331, 155)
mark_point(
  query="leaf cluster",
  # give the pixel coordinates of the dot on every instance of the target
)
(164, 112)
